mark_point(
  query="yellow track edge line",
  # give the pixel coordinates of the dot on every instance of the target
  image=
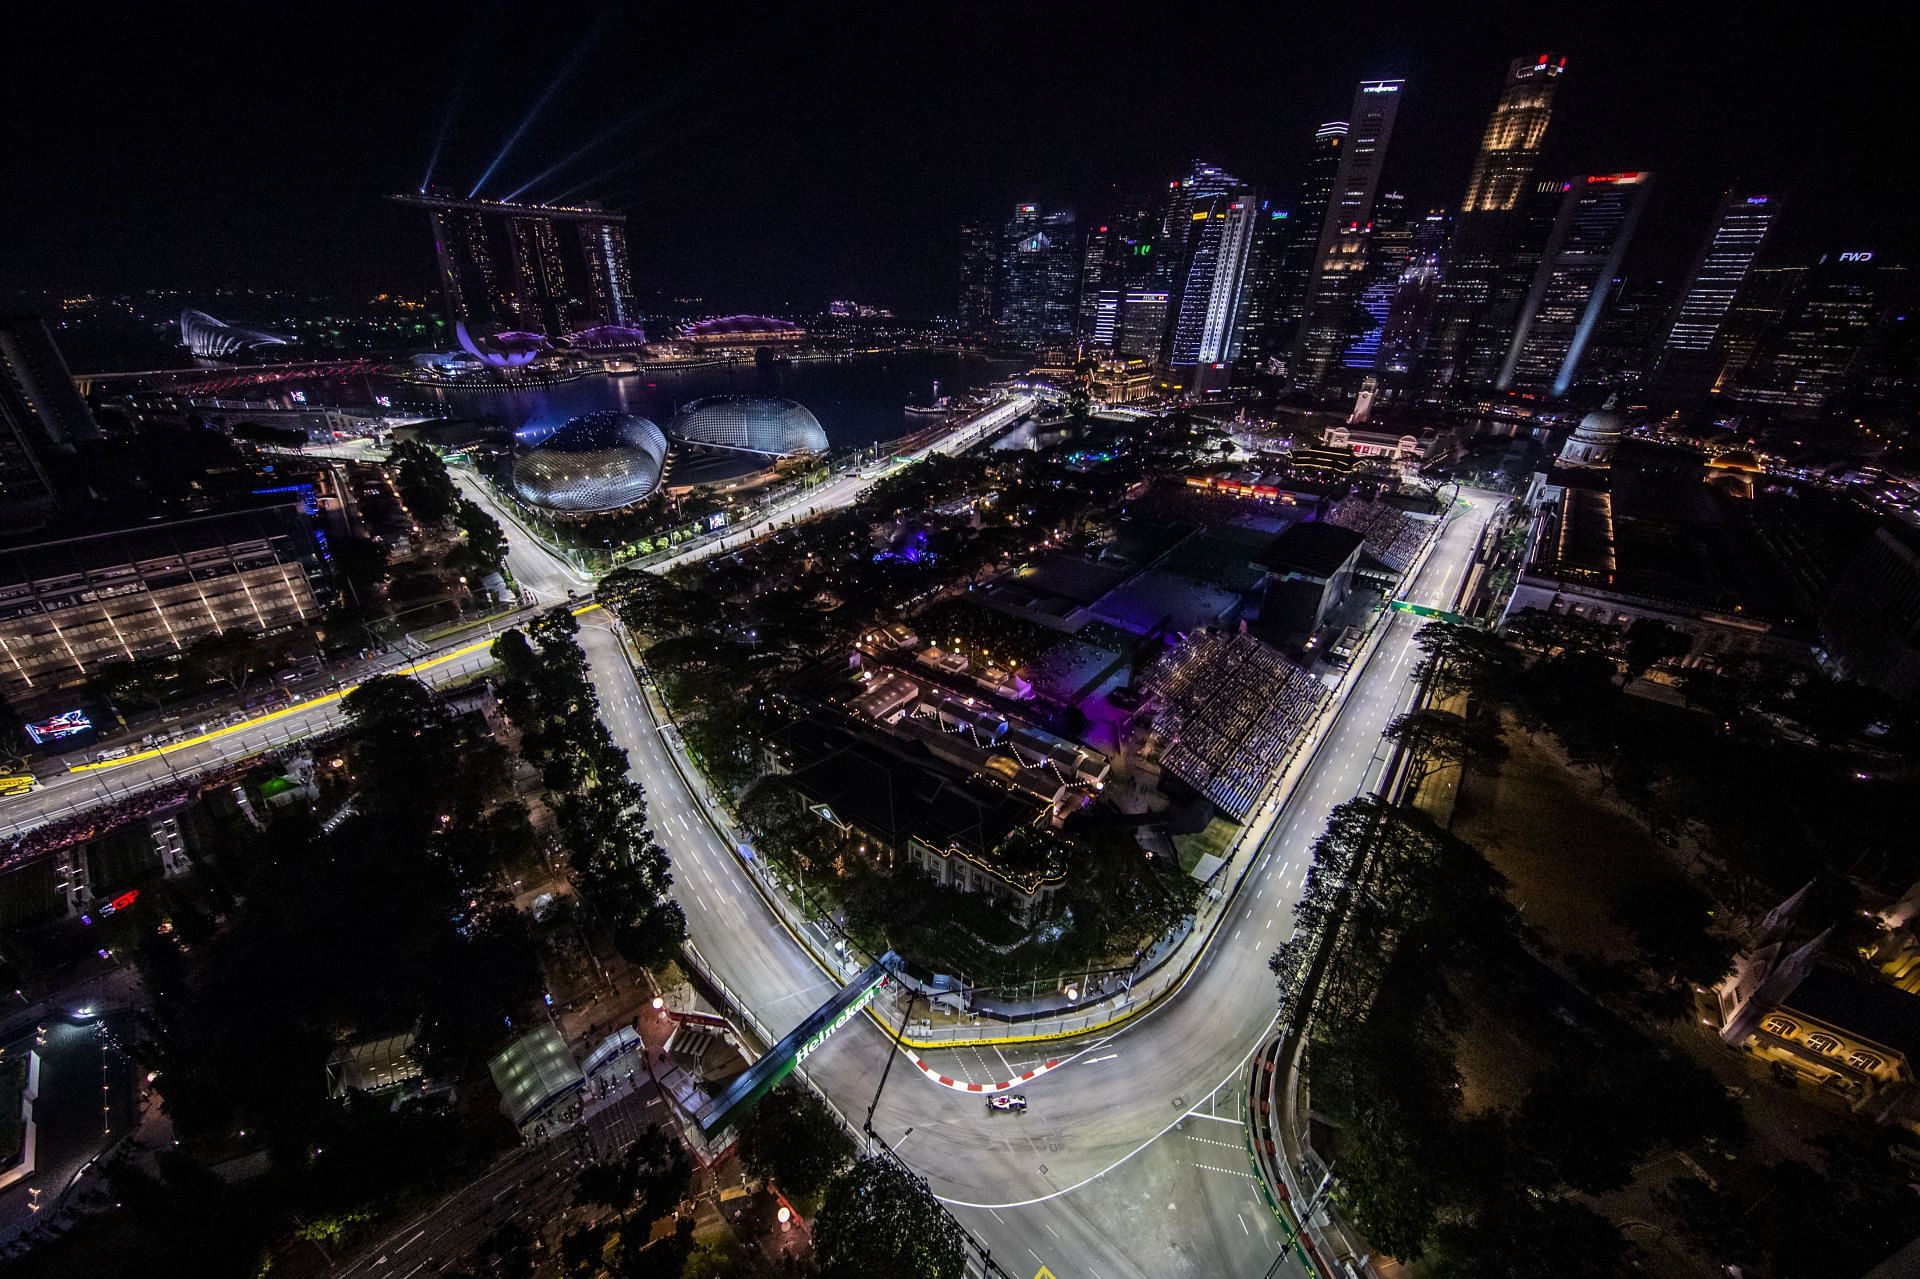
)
(202, 739)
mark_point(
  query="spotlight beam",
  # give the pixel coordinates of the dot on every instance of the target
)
(453, 104)
(633, 118)
(540, 104)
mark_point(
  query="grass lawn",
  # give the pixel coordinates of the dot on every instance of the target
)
(1565, 847)
(1215, 838)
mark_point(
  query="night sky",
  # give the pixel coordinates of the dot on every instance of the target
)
(779, 158)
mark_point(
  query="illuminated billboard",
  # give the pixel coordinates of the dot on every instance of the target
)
(64, 725)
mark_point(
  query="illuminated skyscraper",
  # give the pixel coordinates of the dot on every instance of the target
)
(551, 269)
(1210, 286)
(1413, 298)
(1207, 229)
(1692, 354)
(1510, 148)
(1340, 255)
(979, 278)
(1389, 247)
(1094, 284)
(1597, 217)
(1273, 231)
(1468, 328)
(1142, 326)
(1280, 262)
(1039, 272)
(1815, 348)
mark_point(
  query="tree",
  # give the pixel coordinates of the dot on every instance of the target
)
(1394, 1093)
(1461, 659)
(147, 680)
(1437, 738)
(425, 486)
(1554, 633)
(1518, 1236)
(1671, 921)
(642, 1186)
(655, 936)
(484, 536)
(232, 657)
(510, 1248)
(789, 1138)
(1650, 642)
(362, 564)
(1650, 1096)
(879, 1219)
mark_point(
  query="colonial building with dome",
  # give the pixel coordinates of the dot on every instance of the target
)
(1621, 529)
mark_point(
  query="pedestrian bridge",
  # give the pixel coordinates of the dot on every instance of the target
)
(778, 1061)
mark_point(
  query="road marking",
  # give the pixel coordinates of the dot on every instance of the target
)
(403, 1247)
(1243, 1224)
(1208, 1141)
(1095, 1061)
(1231, 1172)
(1218, 1119)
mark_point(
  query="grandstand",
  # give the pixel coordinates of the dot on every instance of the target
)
(1392, 536)
(1230, 711)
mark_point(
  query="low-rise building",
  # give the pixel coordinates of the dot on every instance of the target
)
(1310, 570)
(71, 606)
(1850, 1032)
(1625, 532)
(1120, 381)
(897, 802)
(1376, 442)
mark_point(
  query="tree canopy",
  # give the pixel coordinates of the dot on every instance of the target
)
(879, 1219)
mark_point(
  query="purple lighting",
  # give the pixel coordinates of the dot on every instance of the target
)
(724, 326)
(509, 350)
(609, 337)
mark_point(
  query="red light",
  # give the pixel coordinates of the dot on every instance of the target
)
(1103, 230)
(1543, 59)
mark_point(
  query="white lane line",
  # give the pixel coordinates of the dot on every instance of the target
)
(1218, 1119)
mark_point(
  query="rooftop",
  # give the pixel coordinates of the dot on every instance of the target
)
(1311, 549)
(896, 793)
(1870, 1009)
(1650, 526)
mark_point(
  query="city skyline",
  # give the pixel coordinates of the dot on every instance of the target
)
(705, 155)
(856, 643)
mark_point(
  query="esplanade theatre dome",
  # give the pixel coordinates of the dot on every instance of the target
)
(750, 424)
(596, 462)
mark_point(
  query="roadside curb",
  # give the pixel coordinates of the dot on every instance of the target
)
(978, 1089)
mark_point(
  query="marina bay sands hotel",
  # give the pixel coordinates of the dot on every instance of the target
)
(544, 268)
